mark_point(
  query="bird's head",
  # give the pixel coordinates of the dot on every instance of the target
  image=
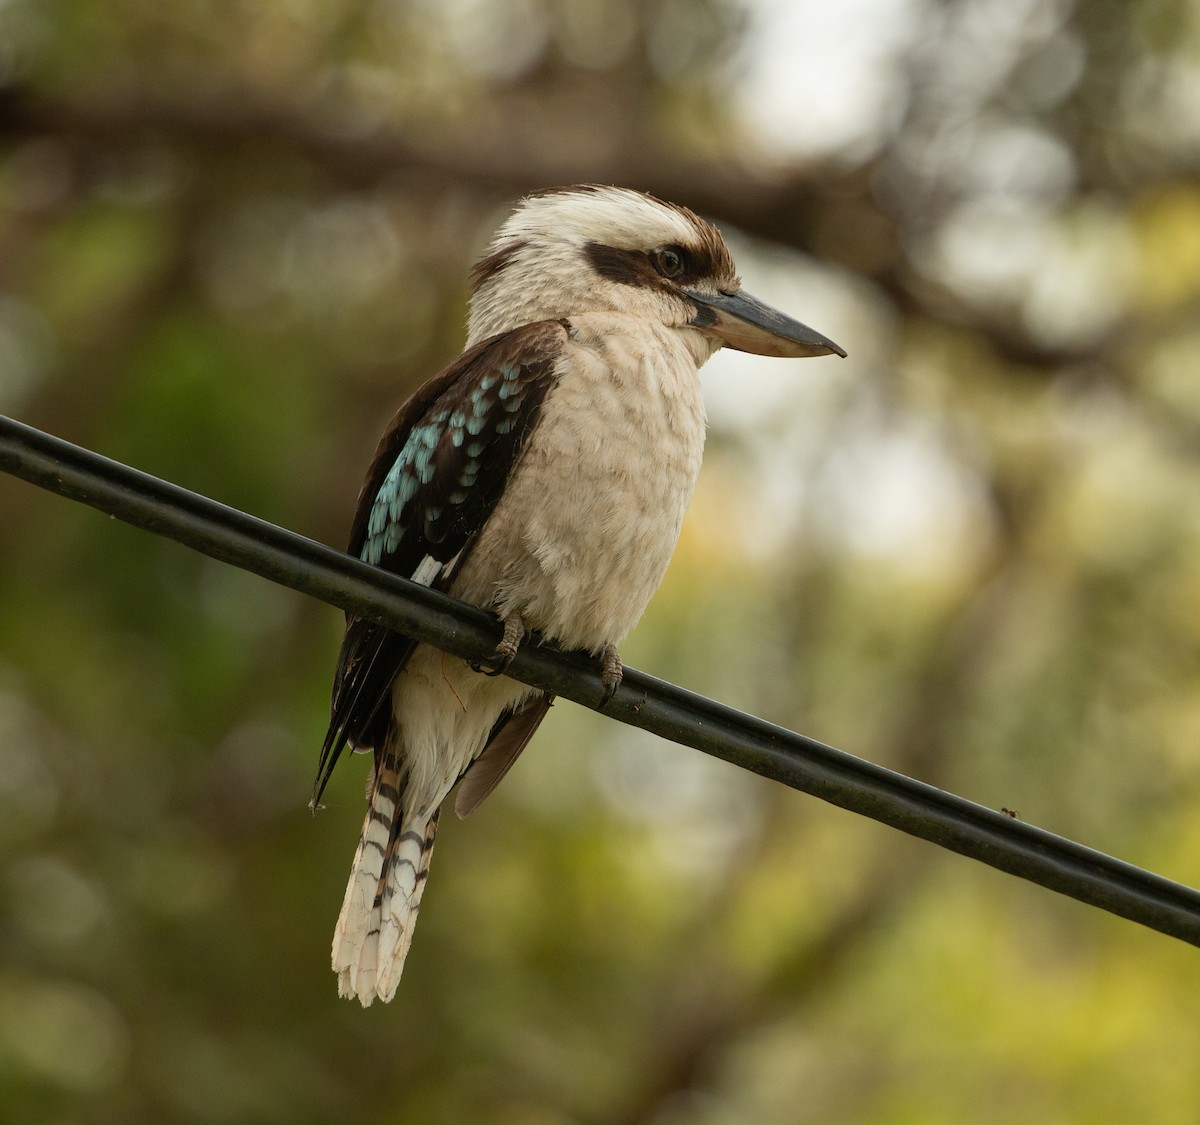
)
(591, 248)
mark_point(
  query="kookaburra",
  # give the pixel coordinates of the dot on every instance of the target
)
(543, 476)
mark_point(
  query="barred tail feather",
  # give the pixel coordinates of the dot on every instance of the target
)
(383, 896)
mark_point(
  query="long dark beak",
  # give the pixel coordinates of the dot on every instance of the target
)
(744, 323)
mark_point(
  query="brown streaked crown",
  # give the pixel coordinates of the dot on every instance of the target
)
(494, 263)
(616, 258)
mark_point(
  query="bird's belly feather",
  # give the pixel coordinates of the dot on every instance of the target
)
(577, 544)
(586, 527)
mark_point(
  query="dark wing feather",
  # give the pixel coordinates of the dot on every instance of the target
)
(509, 737)
(437, 474)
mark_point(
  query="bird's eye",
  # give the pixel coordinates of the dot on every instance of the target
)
(669, 263)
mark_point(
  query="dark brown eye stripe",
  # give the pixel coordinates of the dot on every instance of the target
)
(626, 267)
(637, 267)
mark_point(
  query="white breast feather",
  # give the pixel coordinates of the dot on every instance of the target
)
(582, 536)
(584, 532)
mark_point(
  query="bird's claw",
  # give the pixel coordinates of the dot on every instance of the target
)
(506, 650)
(611, 673)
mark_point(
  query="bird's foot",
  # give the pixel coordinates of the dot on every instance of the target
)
(514, 634)
(611, 673)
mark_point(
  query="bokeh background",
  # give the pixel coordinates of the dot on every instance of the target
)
(235, 234)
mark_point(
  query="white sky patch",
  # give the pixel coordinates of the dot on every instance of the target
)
(871, 488)
(790, 414)
(703, 813)
(1069, 275)
(745, 391)
(825, 460)
(895, 493)
(988, 249)
(820, 77)
(742, 390)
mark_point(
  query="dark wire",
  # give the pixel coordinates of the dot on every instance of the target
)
(891, 798)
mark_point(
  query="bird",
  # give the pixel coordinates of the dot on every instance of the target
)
(543, 476)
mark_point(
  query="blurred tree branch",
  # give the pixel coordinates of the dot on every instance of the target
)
(826, 210)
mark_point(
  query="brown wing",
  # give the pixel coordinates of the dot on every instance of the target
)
(436, 476)
(509, 737)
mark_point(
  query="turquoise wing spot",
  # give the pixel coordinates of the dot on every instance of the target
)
(384, 529)
(462, 428)
(423, 464)
(412, 468)
(511, 385)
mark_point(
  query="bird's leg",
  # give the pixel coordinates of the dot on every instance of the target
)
(611, 672)
(514, 634)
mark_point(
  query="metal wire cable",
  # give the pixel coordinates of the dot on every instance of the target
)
(891, 798)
